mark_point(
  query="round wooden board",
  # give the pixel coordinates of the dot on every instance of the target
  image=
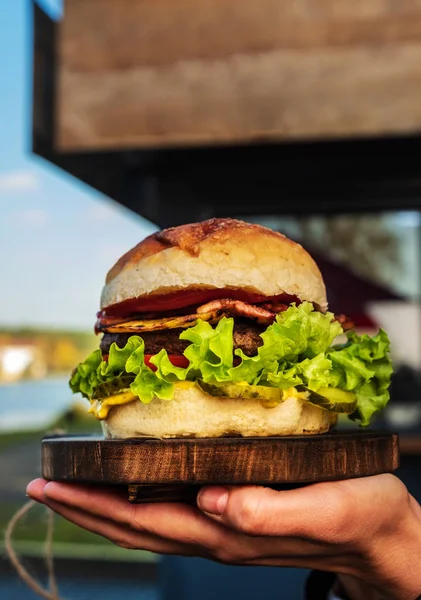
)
(173, 469)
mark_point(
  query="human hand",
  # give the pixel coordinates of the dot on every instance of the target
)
(367, 530)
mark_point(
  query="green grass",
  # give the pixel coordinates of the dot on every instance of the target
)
(80, 422)
(19, 437)
(69, 540)
(82, 551)
(33, 527)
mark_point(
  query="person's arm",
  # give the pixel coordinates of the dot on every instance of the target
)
(368, 531)
(348, 588)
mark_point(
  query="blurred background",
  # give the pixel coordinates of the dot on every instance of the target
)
(117, 119)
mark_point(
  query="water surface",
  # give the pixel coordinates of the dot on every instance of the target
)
(33, 404)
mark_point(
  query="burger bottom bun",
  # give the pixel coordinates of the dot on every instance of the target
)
(194, 413)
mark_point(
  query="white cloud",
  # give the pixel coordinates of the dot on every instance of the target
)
(35, 217)
(16, 181)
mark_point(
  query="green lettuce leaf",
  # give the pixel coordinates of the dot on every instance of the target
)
(147, 386)
(130, 359)
(119, 357)
(211, 350)
(297, 334)
(296, 350)
(84, 378)
(364, 366)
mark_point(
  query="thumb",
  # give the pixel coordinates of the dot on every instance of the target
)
(330, 511)
(253, 510)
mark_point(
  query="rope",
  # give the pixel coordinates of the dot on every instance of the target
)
(52, 592)
(49, 559)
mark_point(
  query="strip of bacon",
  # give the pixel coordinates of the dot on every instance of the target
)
(239, 309)
(264, 314)
(346, 322)
(169, 302)
(274, 307)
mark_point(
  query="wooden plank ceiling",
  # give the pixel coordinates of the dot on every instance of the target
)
(153, 73)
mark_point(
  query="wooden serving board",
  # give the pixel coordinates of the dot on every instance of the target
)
(174, 469)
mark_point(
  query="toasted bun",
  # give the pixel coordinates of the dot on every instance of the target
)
(194, 413)
(218, 253)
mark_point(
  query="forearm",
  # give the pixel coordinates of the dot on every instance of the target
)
(392, 564)
(352, 588)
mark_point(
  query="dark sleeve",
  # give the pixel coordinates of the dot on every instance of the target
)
(318, 585)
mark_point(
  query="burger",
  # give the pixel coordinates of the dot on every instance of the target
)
(221, 328)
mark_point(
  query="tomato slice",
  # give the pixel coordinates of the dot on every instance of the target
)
(183, 298)
(178, 360)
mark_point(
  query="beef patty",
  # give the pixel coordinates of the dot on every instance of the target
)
(246, 336)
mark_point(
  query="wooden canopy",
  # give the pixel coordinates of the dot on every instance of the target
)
(161, 101)
(147, 73)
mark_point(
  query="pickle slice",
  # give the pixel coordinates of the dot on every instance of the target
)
(332, 399)
(112, 387)
(238, 390)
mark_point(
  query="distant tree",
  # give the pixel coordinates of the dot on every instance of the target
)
(59, 351)
(365, 243)
(65, 355)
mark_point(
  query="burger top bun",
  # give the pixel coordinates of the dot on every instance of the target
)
(218, 253)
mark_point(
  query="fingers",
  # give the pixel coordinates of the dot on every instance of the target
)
(240, 525)
(118, 534)
(260, 511)
(179, 529)
(35, 489)
(330, 512)
(177, 522)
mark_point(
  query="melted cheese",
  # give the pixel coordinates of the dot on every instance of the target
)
(289, 393)
(101, 408)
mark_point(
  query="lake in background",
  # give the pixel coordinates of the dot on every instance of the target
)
(33, 404)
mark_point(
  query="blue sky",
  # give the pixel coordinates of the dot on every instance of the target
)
(58, 237)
